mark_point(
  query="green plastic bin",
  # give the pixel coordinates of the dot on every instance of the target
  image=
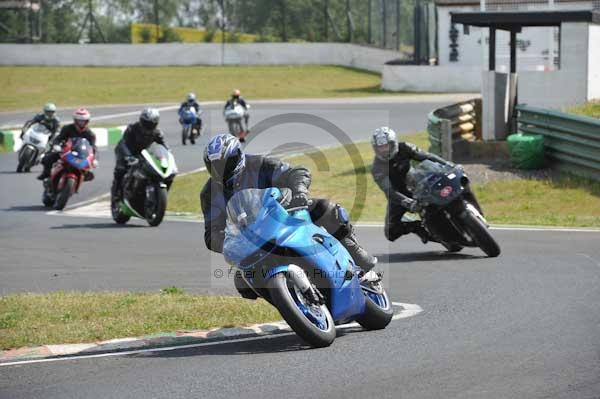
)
(526, 150)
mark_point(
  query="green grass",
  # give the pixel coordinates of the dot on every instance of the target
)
(565, 201)
(29, 87)
(75, 317)
(591, 108)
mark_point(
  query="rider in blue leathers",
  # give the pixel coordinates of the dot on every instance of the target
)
(232, 170)
(189, 103)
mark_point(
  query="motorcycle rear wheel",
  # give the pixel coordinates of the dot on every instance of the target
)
(63, 196)
(295, 313)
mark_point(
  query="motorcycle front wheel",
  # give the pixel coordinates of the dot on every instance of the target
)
(313, 323)
(480, 234)
(26, 159)
(155, 207)
(185, 133)
(63, 195)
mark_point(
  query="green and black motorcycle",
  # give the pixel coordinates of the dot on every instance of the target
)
(145, 187)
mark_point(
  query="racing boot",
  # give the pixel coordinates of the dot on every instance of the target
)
(418, 229)
(44, 175)
(358, 253)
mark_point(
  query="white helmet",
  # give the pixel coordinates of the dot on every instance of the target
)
(384, 143)
(191, 97)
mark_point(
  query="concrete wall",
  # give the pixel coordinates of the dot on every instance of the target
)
(434, 79)
(594, 63)
(371, 59)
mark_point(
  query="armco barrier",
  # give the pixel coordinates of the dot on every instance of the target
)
(10, 141)
(571, 142)
(450, 125)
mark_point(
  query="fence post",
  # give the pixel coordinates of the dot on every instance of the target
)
(446, 133)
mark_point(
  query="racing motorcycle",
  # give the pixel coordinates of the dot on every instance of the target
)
(145, 186)
(191, 125)
(69, 172)
(234, 114)
(280, 255)
(448, 212)
(35, 142)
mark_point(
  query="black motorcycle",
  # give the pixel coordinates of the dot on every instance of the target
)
(449, 212)
(145, 187)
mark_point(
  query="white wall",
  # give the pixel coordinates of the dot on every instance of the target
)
(594, 63)
(433, 79)
(371, 59)
(567, 86)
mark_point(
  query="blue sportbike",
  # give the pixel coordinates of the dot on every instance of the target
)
(191, 124)
(280, 255)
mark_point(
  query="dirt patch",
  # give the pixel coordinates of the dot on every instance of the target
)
(483, 172)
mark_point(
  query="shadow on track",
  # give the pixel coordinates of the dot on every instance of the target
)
(280, 343)
(407, 257)
(96, 226)
(27, 208)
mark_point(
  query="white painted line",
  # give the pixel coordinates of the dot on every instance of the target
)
(409, 310)
(131, 113)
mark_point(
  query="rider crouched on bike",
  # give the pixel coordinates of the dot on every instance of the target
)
(236, 96)
(232, 170)
(79, 128)
(390, 168)
(189, 103)
(137, 137)
(47, 118)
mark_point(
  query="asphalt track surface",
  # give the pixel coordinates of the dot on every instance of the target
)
(523, 325)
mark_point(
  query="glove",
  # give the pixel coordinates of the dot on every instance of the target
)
(95, 163)
(299, 200)
(131, 160)
(56, 148)
(411, 205)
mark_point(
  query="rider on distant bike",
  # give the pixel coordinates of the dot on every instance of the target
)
(136, 138)
(390, 168)
(79, 128)
(186, 105)
(237, 97)
(47, 118)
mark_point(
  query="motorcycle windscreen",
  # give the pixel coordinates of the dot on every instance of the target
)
(80, 151)
(433, 182)
(160, 154)
(254, 217)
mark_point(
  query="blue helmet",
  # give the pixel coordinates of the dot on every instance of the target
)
(224, 158)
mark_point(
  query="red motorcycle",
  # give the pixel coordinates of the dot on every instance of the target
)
(76, 160)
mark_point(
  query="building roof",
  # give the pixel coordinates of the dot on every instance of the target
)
(513, 20)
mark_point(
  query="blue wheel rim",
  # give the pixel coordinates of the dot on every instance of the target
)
(378, 299)
(312, 312)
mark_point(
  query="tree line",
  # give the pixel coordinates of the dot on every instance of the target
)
(62, 21)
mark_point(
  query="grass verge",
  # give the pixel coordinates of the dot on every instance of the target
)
(75, 317)
(566, 201)
(28, 87)
(591, 109)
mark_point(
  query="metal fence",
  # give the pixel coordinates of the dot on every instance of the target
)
(571, 142)
(451, 125)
